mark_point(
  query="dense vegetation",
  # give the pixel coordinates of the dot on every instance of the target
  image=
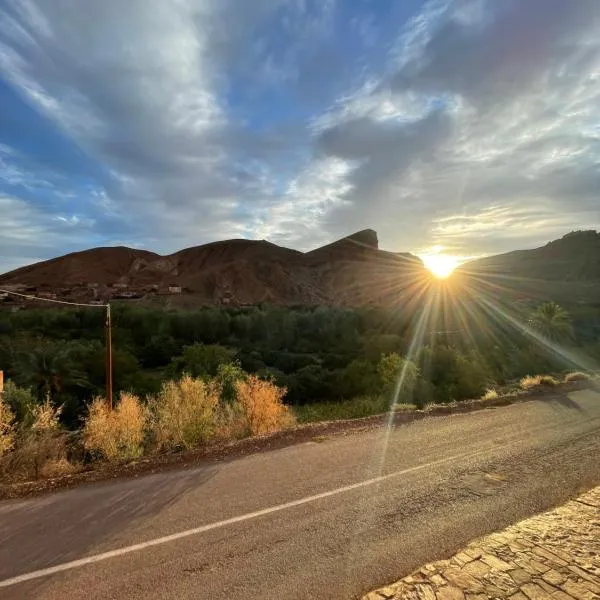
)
(320, 355)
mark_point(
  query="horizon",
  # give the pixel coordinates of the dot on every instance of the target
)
(436, 261)
(455, 128)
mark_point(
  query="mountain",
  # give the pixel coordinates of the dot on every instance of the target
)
(566, 270)
(101, 265)
(574, 257)
(351, 271)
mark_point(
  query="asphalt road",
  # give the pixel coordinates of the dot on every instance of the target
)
(327, 519)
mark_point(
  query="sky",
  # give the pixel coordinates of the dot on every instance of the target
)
(467, 127)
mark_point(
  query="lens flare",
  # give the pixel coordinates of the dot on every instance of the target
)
(440, 265)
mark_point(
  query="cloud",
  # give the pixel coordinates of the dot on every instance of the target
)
(27, 232)
(491, 110)
(300, 121)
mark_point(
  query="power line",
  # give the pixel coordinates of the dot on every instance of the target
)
(51, 299)
(108, 328)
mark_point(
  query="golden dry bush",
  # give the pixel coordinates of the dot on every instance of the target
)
(577, 376)
(184, 413)
(531, 382)
(39, 454)
(57, 467)
(549, 381)
(117, 434)
(46, 417)
(7, 428)
(490, 394)
(41, 446)
(231, 421)
(261, 406)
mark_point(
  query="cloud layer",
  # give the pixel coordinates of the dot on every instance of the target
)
(470, 124)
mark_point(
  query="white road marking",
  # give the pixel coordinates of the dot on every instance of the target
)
(197, 530)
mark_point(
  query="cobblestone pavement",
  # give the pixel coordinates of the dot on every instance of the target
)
(555, 555)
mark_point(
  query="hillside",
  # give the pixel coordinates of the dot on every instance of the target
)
(350, 271)
(566, 270)
(574, 257)
(100, 265)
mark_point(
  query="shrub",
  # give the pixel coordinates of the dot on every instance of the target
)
(184, 413)
(57, 467)
(227, 377)
(261, 407)
(45, 417)
(38, 454)
(357, 378)
(423, 394)
(531, 382)
(471, 379)
(117, 434)
(41, 446)
(21, 402)
(490, 394)
(398, 377)
(577, 376)
(7, 427)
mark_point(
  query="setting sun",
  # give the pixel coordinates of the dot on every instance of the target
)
(440, 265)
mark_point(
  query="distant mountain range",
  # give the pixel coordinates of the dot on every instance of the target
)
(352, 271)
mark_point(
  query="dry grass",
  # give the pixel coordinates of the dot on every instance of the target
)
(536, 381)
(261, 406)
(57, 467)
(118, 434)
(404, 407)
(184, 413)
(577, 376)
(490, 394)
(46, 417)
(38, 455)
(7, 428)
(41, 448)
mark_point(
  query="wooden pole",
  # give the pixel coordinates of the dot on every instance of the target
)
(109, 378)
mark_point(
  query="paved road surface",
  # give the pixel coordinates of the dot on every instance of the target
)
(319, 520)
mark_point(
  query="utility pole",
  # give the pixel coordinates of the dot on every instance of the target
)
(109, 381)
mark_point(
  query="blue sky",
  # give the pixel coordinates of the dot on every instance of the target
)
(472, 125)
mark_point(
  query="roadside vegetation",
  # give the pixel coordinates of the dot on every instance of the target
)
(186, 379)
(186, 414)
(538, 381)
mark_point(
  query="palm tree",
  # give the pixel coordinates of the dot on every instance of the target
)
(48, 370)
(552, 322)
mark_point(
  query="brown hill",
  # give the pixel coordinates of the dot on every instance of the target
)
(566, 270)
(100, 265)
(351, 271)
(574, 257)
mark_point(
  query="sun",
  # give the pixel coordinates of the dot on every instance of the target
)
(440, 265)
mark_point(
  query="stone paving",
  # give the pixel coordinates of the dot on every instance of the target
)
(555, 555)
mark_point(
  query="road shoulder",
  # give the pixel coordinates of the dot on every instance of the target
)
(555, 555)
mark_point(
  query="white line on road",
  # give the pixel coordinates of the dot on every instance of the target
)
(203, 528)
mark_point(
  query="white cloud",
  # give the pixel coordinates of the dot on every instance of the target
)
(501, 166)
(198, 113)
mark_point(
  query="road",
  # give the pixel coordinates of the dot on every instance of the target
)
(329, 519)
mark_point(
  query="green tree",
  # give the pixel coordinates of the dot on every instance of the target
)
(200, 360)
(49, 370)
(20, 400)
(398, 377)
(358, 378)
(552, 322)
